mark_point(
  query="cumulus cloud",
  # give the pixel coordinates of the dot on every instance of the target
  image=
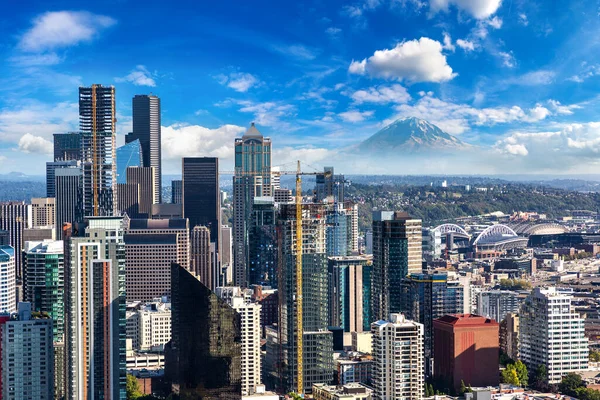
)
(181, 140)
(355, 115)
(508, 60)
(414, 61)
(267, 113)
(41, 118)
(382, 95)
(35, 144)
(238, 81)
(448, 42)
(515, 149)
(466, 45)
(139, 76)
(478, 9)
(562, 109)
(62, 29)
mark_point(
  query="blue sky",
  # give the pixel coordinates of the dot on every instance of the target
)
(518, 79)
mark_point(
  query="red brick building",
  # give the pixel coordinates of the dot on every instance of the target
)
(466, 347)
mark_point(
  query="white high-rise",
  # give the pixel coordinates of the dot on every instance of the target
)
(149, 327)
(496, 304)
(7, 280)
(398, 360)
(250, 315)
(552, 333)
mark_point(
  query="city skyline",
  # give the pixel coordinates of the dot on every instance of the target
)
(489, 72)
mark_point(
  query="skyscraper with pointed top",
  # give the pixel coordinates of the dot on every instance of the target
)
(252, 179)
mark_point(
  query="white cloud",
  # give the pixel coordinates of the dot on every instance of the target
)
(382, 95)
(508, 60)
(63, 28)
(495, 22)
(332, 31)
(31, 60)
(297, 51)
(355, 115)
(414, 61)
(562, 109)
(306, 155)
(139, 76)
(523, 19)
(587, 71)
(533, 78)
(448, 42)
(180, 140)
(516, 149)
(238, 81)
(479, 9)
(35, 144)
(466, 45)
(267, 113)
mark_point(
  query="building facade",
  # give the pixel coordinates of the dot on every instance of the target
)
(67, 146)
(262, 243)
(496, 304)
(97, 123)
(15, 216)
(68, 198)
(551, 333)
(128, 155)
(396, 253)
(149, 327)
(176, 191)
(398, 365)
(42, 212)
(201, 260)
(51, 168)
(143, 177)
(252, 178)
(8, 282)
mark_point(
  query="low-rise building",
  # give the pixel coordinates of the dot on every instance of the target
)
(354, 368)
(149, 325)
(350, 391)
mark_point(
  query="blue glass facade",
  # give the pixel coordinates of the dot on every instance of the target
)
(128, 155)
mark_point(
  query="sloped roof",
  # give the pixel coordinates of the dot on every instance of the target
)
(252, 132)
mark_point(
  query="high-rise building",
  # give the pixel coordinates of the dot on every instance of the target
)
(350, 293)
(252, 178)
(262, 243)
(396, 253)
(144, 178)
(67, 146)
(200, 194)
(203, 358)
(317, 340)
(466, 348)
(68, 198)
(95, 328)
(426, 297)
(352, 213)
(176, 191)
(226, 246)
(337, 231)
(509, 336)
(42, 212)
(282, 196)
(15, 216)
(329, 185)
(551, 333)
(97, 123)
(44, 288)
(128, 198)
(27, 356)
(398, 367)
(496, 304)
(201, 263)
(149, 327)
(8, 287)
(250, 317)
(128, 155)
(51, 168)
(146, 129)
(151, 245)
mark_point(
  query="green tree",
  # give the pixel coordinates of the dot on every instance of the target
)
(570, 383)
(595, 355)
(132, 388)
(427, 392)
(540, 378)
(584, 393)
(522, 373)
(509, 375)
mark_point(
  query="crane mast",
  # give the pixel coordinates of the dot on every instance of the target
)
(299, 324)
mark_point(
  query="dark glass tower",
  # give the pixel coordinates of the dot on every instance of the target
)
(146, 129)
(200, 194)
(67, 146)
(128, 155)
(203, 358)
(262, 244)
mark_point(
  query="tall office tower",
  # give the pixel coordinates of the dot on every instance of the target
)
(318, 341)
(67, 146)
(426, 297)
(144, 178)
(27, 356)
(496, 304)
(262, 243)
(227, 246)
(42, 212)
(51, 168)
(44, 288)
(97, 123)
(15, 216)
(275, 178)
(396, 253)
(350, 293)
(128, 198)
(151, 245)
(252, 178)
(95, 329)
(250, 317)
(203, 358)
(337, 230)
(200, 195)
(201, 263)
(176, 190)
(352, 213)
(369, 242)
(329, 185)
(398, 367)
(68, 198)
(128, 155)
(551, 333)
(146, 129)
(4, 237)
(8, 299)
(509, 336)
(466, 349)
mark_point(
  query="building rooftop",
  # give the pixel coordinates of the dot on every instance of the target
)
(466, 320)
(252, 132)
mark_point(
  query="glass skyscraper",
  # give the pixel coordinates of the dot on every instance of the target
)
(262, 243)
(128, 155)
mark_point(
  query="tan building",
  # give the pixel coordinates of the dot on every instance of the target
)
(151, 245)
(42, 212)
(509, 335)
(350, 391)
